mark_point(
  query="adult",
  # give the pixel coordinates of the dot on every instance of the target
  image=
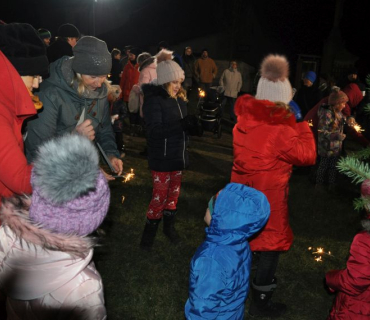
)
(22, 60)
(165, 115)
(189, 64)
(231, 80)
(116, 66)
(130, 77)
(308, 95)
(75, 99)
(205, 70)
(67, 37)
(351, 77)
(45, 36)
(267, 143)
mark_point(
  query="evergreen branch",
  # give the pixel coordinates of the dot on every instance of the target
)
(361, 203)
(354, 168)
(367, 109)
(362, 154)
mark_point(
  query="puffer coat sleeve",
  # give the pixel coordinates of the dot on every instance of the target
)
(353, 283)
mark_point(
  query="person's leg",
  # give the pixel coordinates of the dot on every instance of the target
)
(264, 285)
(161, 182)
(170, 209)
(332, 172)
(231, 102)
(321, 170)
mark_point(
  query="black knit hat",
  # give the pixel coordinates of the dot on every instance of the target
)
(68, 31)
(135, 50)
(21, 44)
(91, 57)
(44, 34)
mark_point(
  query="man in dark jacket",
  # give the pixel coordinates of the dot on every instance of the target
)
(66, 39)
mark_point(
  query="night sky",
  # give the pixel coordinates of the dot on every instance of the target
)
(301, 26)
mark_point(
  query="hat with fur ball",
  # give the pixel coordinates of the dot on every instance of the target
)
(70, 193)
(274, 84)
(167, 69)
(23, 47)
(337, 96)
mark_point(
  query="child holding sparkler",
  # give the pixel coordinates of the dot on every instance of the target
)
(353, 283)
(330, 137)
(219, 270)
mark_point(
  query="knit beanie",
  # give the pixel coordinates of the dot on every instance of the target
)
(68, 31)
(337, 97)
(274, 84)
(135, 50)
(70, 193)
(44, 34)
(167, 70)
(91, 57)
(310, 75)
(23, 47)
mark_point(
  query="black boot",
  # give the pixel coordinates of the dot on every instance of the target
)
(261, 305)
(169, 226)
(150, 230)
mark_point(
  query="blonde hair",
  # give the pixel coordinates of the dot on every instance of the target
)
(180, 94)
(81, 88)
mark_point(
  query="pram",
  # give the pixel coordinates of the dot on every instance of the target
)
(210, 110)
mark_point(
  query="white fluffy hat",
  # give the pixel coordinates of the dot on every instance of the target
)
(167, 69)
(274, 84)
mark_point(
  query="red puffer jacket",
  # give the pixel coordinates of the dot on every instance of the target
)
(353, 283)
(130, 76)
(15, 106)
(267, 142)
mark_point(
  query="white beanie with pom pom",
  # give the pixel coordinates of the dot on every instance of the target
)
(167, 69)
(274, 84)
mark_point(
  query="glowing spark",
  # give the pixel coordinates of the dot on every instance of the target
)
(202, 93)
(123, 199)
(310, 123)
(309, 248)
(318, 259)
(128, 176)
(358, 128)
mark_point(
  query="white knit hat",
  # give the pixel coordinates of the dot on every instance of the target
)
(167, 69)
(274, 84)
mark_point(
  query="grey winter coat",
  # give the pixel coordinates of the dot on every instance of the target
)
(231, 80)
(63, 107)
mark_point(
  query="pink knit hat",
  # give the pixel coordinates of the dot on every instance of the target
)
(70, 193)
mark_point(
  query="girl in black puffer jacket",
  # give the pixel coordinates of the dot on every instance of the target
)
(166, 120)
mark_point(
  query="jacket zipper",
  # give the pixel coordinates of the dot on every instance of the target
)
(183, 135)
(165, 147)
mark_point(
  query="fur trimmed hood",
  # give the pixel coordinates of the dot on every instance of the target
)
(147, 63)
(14, 214)
(252, 112)
(152, 89)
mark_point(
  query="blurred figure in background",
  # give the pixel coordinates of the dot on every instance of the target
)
(45, 36)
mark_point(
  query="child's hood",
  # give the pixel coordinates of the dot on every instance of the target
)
(239, 212)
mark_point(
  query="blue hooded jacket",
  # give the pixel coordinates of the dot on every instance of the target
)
(219, 270)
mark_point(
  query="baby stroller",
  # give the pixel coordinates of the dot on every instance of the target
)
(210, 110)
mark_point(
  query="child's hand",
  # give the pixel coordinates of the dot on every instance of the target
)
(114, 117)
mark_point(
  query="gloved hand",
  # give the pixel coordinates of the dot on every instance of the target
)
(294, 108)
(192, 125)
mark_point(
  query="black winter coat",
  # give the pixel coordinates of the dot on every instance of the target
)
(166, 139)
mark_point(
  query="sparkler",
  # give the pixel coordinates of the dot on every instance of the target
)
(310, 123)
(358, 128)
(128, 176)
(201, 94)
(319, 253)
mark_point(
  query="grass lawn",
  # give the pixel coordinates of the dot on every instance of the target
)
(141, 285)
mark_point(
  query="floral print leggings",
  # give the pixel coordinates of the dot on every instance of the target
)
(166, 191)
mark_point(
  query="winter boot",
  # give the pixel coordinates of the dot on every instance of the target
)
(261, 305)
(169, 226)
(150, 230)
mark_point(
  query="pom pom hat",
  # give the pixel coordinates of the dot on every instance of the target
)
(274, 84)
(337, 97)
(167, 69)
(70, 194)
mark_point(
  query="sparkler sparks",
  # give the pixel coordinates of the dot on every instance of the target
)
(202, 93)
(128, 176)
(358, 128)
(319, 253)
(310, 123)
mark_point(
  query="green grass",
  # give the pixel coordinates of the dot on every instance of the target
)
(141, 285)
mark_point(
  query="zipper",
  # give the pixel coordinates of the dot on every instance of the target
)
(183, 135)
(165, 147)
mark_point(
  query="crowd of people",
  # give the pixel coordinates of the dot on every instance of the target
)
(62, 102)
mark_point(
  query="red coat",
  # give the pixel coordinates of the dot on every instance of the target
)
(353, 283)
(15, 106)
(267, 142)
(130, 76)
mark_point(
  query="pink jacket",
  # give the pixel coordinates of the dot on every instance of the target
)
(147, 75)
(48, 271)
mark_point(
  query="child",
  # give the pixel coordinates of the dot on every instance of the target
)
(219, 270)
(331, 136)
(353, 283)
(46, 267)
